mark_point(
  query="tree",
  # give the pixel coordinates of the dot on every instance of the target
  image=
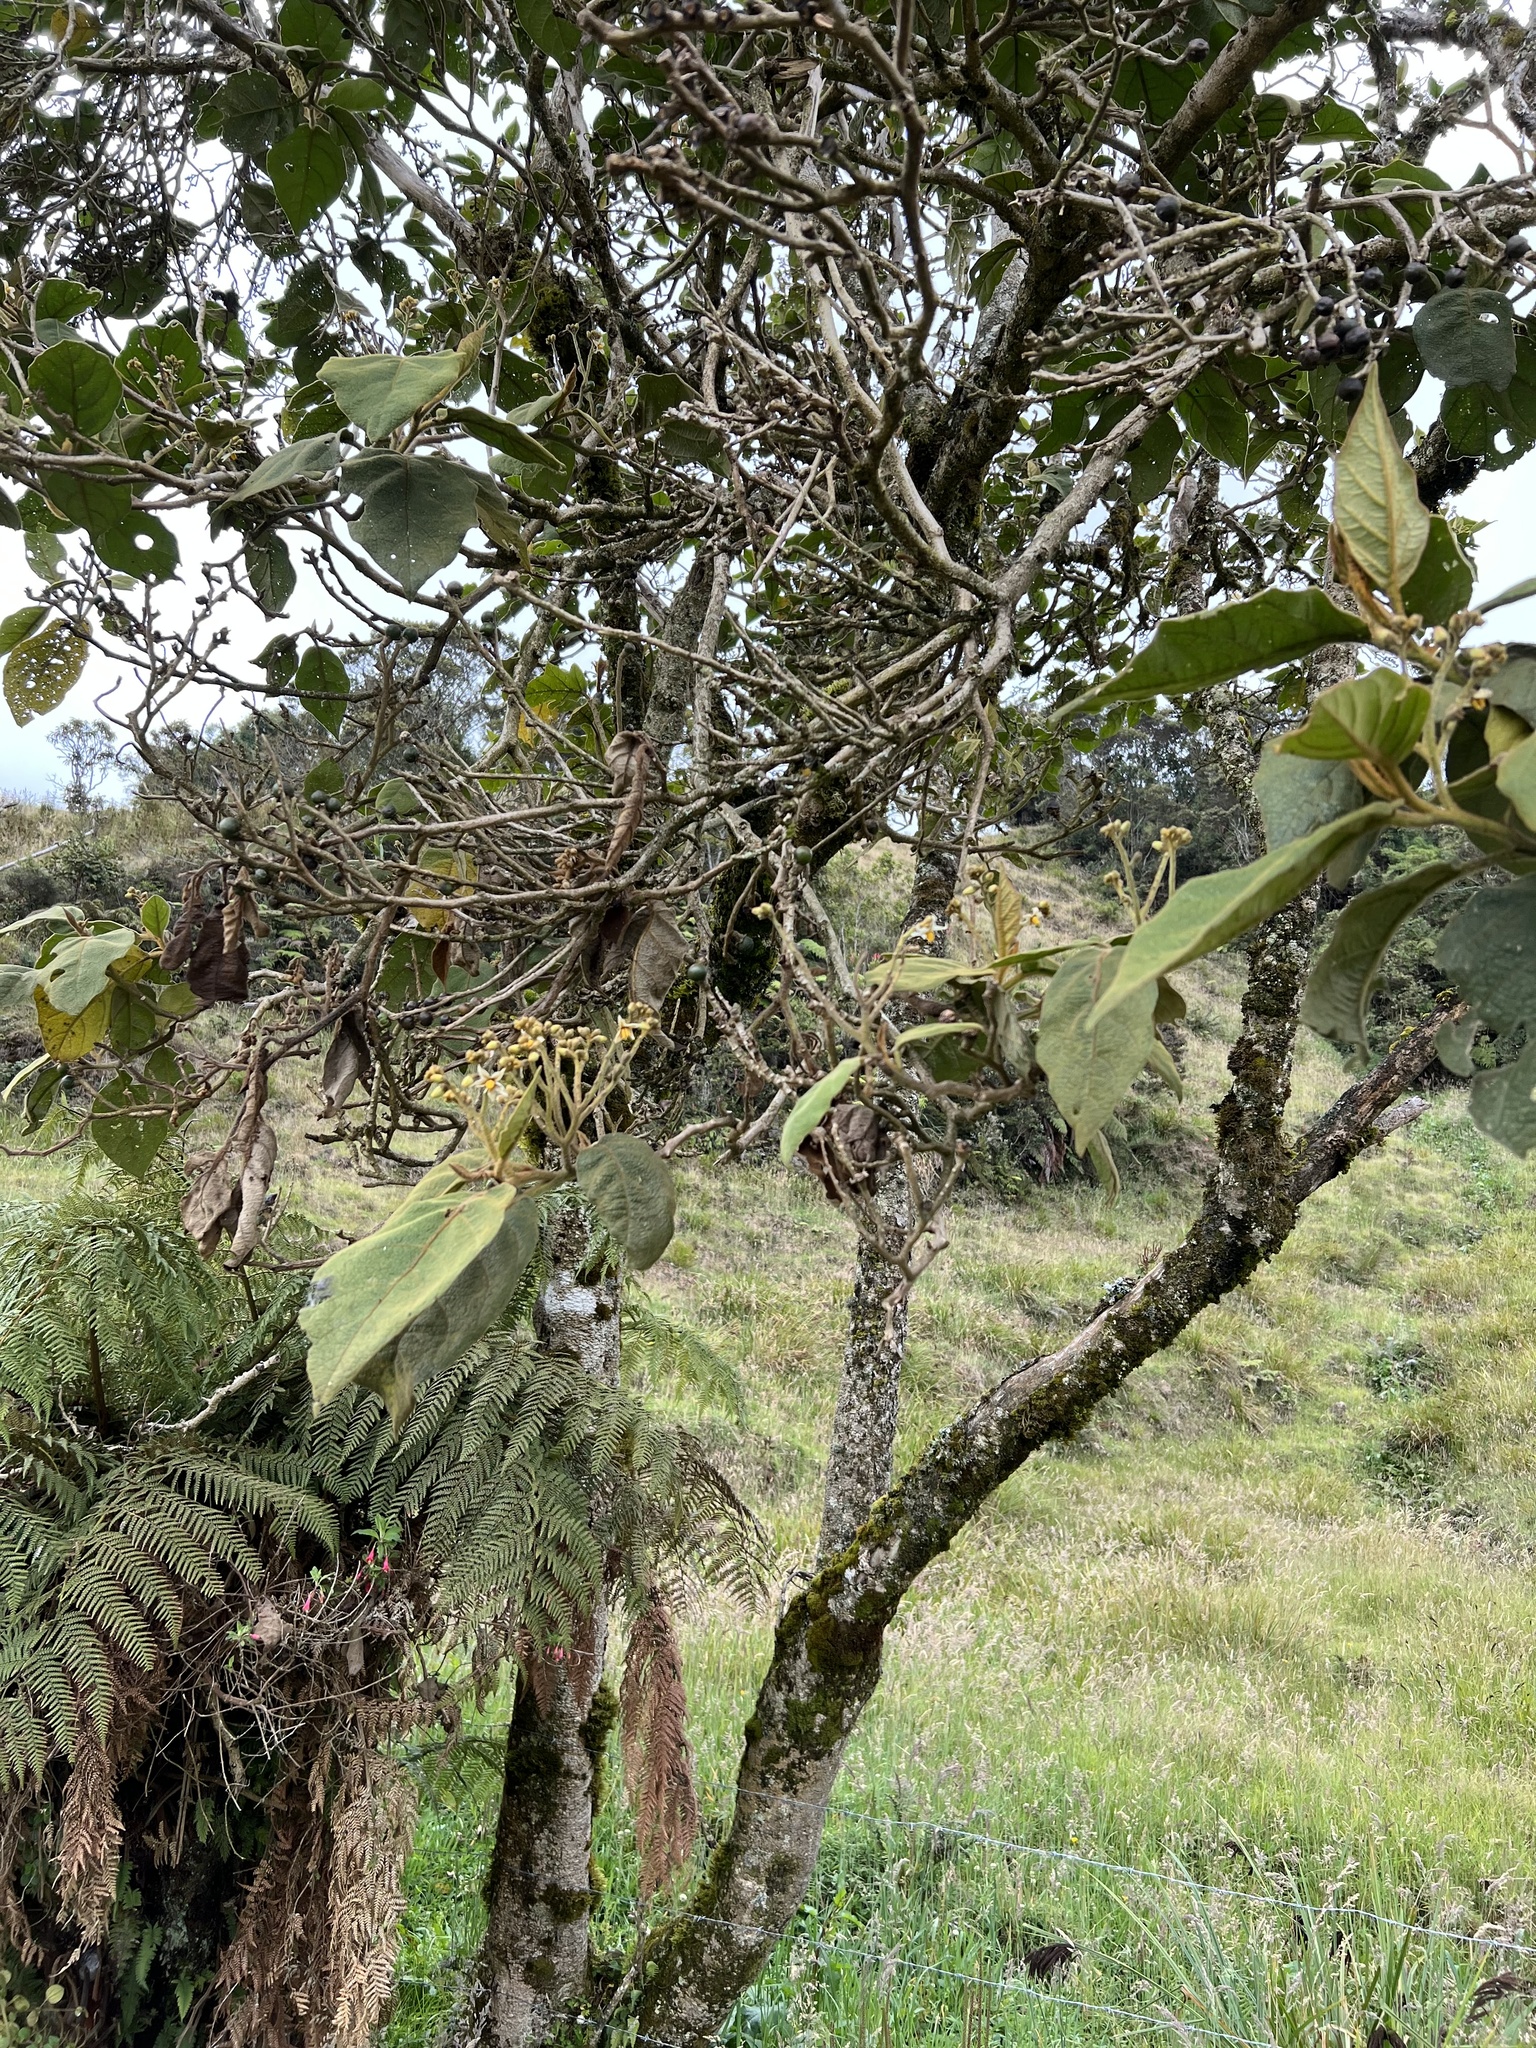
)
(88, 749)
(800, 419)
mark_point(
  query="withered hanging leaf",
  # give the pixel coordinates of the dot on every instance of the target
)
(255, 1179)
(629, 757)
(346, 1062)
(230, 1185)
(219, 974)
(661, 953)
(177, 950)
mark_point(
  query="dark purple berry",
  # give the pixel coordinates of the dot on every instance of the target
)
(1350, 388)
(1516, 249)
(1354, 341)
(1454, 279)
(1196, 50)
(1418, 274)
(1128, 185)
(1325, 305)
(1372, 278)
(1308, 356)
(1328, 344)
(1168, 208)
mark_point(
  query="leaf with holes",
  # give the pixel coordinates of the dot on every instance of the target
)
(1376, 506)
(41, 671)
(633, 1195)
(130, 1125)
(1467, 337)
(814, 1104)
(1442, 583)
(1212, 910)
(416, 512)
(1489, 951)
(68, 1039)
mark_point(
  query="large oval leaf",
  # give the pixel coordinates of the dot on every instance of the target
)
(324, 686)
(78, 383)
(379, 393)
(419, 1292)
(633, 1195)
(1489, 951)
(299, 462)
(1217, 646)
(129, 1125)
(1090, 1063)
(1467, 337)
(1374, 717)
(308, 170)
(416, 512)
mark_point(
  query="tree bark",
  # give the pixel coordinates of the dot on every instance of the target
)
(539, 1893)
(861, 1453)
(827, 1650)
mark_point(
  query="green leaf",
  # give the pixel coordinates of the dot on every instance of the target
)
(398, 797)
(633, 1195)
(133, 542)
(324, 686)
(693, 442)
(78, 383)
(1442, 583)
(324, 779)
(41, 672)
(549, 32)
(358, 95)
(1296, 796)
(270, 572)
(16, 628)
(1215, 418)
(814, 1104)
(1339, 990)
(308, 170)
(1489, 951)
(128, 1125)
(416, 1294)
(155, 916)
(1375, 717)
(1467, 337)
(1453, 1044)
(1091, 1061)
(1503, 1103)
(1516, 591)
(1514, 686)
(310, 25)
(1217, 646)
(416, 512)
(76, 970)
(1376, 505)
(379, 393)
(1212, 910)
(155, 356)
(300, 460)
(660, 392)
(498, 434)
(1516, 777)
(249, 112)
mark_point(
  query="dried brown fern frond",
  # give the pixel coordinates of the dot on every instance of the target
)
(372, 1822)
(90, 1835)
(658, 1758)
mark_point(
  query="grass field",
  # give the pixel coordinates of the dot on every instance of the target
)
(1265, 1629)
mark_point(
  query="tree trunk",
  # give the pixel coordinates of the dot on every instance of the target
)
(827, 1650)
(863, 1444)
(534, 1961)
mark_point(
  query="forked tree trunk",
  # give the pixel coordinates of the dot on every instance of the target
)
(861, 1453)
(827, 1650)
(534, 1961)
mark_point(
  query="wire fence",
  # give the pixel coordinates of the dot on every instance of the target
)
(883, 1963)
